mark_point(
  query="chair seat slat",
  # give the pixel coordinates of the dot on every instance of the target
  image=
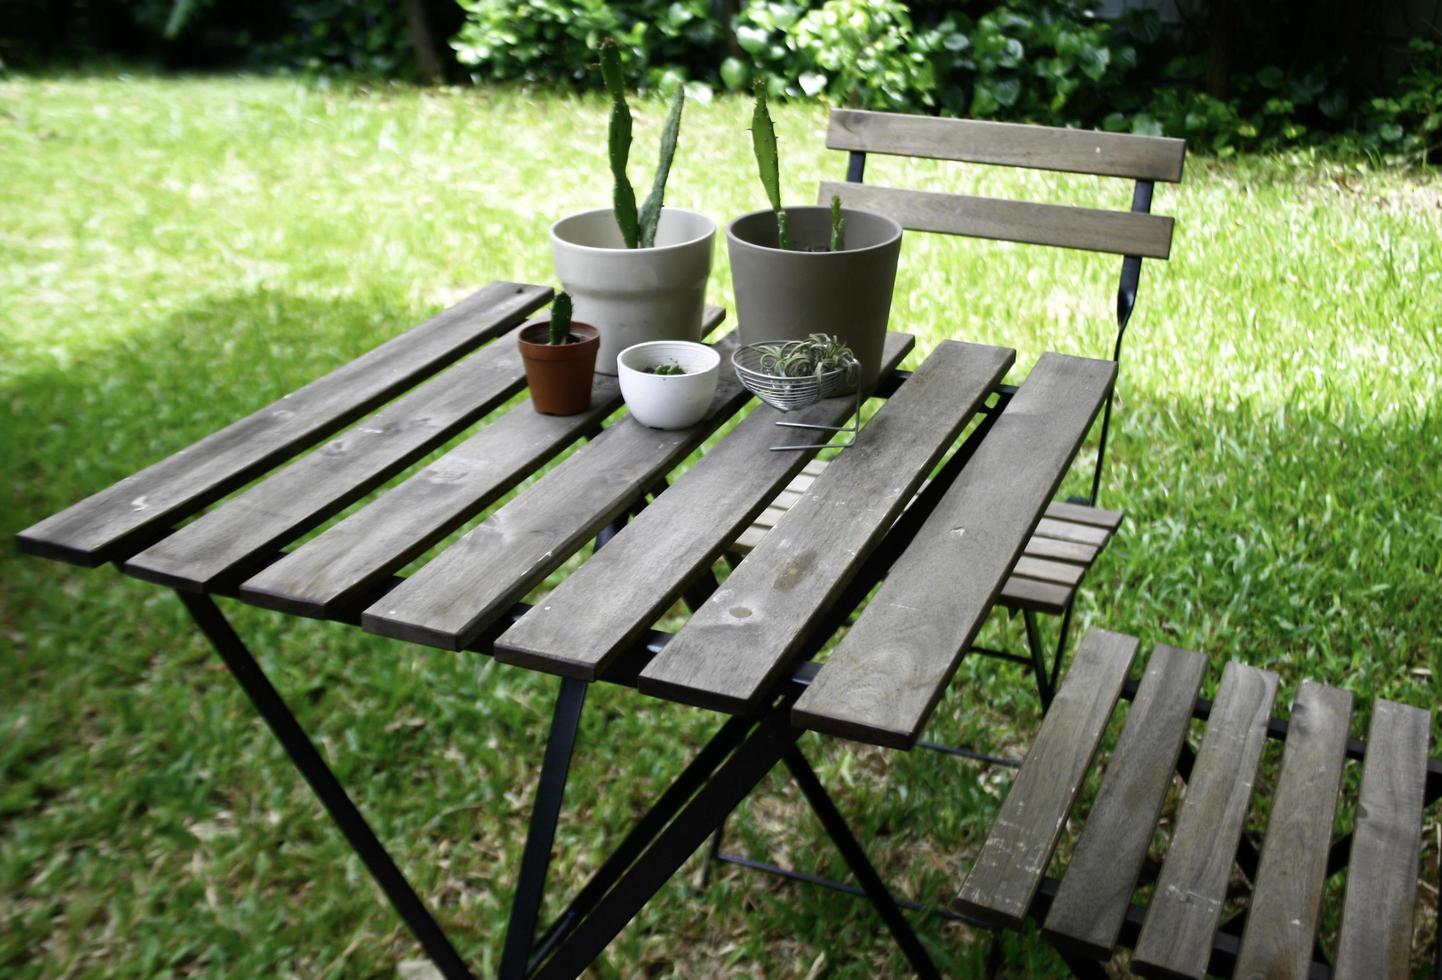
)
(1287, 898)
(1002, 883)
(1176, 939)
(1091, 904)
(1377, 910)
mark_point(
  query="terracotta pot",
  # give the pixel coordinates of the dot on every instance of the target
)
(560, 376)
(788, 295)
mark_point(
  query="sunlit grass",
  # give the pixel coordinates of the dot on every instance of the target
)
(176, 253)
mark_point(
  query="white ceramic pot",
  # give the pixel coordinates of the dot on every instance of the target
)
(635, 295)
(669, 401)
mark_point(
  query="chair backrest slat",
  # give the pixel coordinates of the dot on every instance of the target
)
(1121, 232)
(1077, 151)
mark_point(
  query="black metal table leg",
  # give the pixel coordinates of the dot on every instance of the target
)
(682, 788)
(545, 813)
(876, 891)
(312, 766)
(723, 790)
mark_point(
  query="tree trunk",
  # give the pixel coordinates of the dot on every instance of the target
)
(428, 63)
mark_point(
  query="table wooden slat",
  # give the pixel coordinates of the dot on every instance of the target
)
(1092, 902)
(478, 578)
(885, 677)
(229, 542)
(1376, 939)
(603, 606)
(120, 520)
(1002, 883)
(1282, 915)
(337, 566)
(1176, 939)
(730, 653)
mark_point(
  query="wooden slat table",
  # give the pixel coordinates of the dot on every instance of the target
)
(941, 497)
(1180, 930)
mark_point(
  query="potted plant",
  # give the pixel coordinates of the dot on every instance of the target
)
(639, 274)
(669, 384)
(560, 360)
(803, 270)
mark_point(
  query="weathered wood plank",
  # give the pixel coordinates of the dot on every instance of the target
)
(120, 520)
(1376, 939)
(1076, 533)
(1082, 514)
(1176, 939)
(1287, 897)
(1055, 572)
(1042, 597)
(1057, 550)
(479, 577)
(229, 542)
(1002, 883)
(1092, 902)
(885, 677)
(605, 605)
(336, 567)
(1078, 151)
(1028, 222)
(730, 653)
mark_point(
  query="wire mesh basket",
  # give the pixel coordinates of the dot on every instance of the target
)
(789, 393)
(783, 392)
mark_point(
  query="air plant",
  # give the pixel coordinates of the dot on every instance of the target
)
(763, 142)
(561, 319)
(638, 228)
(816, 356)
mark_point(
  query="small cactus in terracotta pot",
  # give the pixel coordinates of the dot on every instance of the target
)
(560, 360)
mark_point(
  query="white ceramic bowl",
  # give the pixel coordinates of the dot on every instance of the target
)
(669, 401)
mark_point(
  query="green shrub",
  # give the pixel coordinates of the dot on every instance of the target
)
(552, 41)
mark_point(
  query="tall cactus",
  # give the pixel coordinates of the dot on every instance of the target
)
(838, 225)
(763, 142)
(619, 143)
(651, 210)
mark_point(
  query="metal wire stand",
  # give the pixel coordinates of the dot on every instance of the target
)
(791, 393)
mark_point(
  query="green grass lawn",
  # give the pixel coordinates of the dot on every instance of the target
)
(174, 254)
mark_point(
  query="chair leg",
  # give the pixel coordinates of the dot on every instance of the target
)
(1038, 659)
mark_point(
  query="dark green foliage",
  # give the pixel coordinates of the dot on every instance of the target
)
(838, 226)
(651, 210)
(553, 41)
(561, 319)
(1040, 61)
(763, 143)
(618, 144)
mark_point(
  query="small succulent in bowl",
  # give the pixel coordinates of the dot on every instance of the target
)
(817, 355)
(667, 369)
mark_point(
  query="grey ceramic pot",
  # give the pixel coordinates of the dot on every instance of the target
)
(787, 295)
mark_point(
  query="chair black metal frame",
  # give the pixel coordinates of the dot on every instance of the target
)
(1045, 674)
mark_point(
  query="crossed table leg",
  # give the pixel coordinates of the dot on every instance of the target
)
(721, 775)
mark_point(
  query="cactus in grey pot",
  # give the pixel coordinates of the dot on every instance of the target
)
(638, 228)
(763, 142)
(838, 225)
